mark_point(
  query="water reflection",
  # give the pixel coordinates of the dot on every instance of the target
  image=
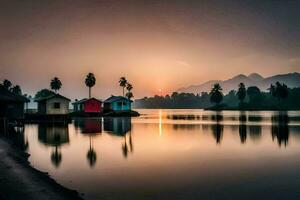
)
(177, 154)
(217, 127)
(280, 128)
(54, 136)
(120, 126)
(17, 136)
(90, 127)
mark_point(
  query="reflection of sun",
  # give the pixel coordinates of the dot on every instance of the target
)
(160, 123)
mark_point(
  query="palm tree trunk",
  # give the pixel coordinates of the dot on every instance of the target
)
(89, 92)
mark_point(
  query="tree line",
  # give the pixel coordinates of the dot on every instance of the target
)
(56, 84)
(279, 96)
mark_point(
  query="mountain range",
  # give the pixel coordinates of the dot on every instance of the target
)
(291, 80)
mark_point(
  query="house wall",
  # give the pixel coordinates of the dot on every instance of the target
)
(118, 107)
(12, 110)
(64, 106)
(92, 106)
(42, 107)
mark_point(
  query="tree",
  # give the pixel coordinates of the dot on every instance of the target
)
(43, 93)
(90, 81)
(279, 91)
(254, 94)
(55, 84)
(17, 90)
(123, 83)
(129, 94)
(7, 84)
(241, 93)
(216, 95)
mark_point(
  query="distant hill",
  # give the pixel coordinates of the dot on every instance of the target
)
(291, 80)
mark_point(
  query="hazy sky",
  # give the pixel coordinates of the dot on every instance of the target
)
(164, 44)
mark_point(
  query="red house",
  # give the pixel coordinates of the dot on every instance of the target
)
(91, 105)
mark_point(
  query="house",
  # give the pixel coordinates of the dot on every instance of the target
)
(117, 103)
(91, 105)
(11, 104)
(55, 104)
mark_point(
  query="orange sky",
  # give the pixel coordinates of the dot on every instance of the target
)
(156, 44)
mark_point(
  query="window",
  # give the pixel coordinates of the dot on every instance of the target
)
(56, 105)
(119, 103)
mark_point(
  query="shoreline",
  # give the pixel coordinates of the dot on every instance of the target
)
(19, 180)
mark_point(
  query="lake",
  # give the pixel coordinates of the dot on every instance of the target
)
(172, 154)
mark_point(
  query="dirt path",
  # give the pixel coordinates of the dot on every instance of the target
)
(18, 180)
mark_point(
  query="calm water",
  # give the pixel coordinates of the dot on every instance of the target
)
(173, 154)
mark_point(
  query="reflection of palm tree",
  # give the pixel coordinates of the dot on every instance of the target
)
(218, 128)
(243, 127)
(125, 148)
(91, 155)
(243, 133)
(280, 129)
(56, 157)
(130, 143)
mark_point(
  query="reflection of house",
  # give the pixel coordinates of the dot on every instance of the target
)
(117, 103)
(53, 135)
(88, 125)
(118, 126)
(91, 105)
(11, 104)
(53, 104)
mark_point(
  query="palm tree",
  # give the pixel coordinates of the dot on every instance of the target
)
(216, 95)
(55, 84)
(129, 94)
(241, 93)
(7, 84)
(17, 90)
(123, 83)
(90, 81)
(279, 91)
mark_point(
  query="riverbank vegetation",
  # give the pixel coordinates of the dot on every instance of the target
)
(278, 97)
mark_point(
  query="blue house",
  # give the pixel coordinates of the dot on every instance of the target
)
(117, 103)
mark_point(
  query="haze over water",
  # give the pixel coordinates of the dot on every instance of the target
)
(172, 154)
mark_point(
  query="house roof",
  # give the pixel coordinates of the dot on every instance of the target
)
(52, 96)
(116, 98)
(6, 95)
(85, 99)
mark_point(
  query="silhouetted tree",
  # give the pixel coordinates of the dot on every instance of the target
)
(279, 91)
(129, 94)
(123, 83)
(55, 84)
(7, 84)
(254, 94)
(90, 81)
(43, 93)
(241, 93)
(216, 95)
(16, 89)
